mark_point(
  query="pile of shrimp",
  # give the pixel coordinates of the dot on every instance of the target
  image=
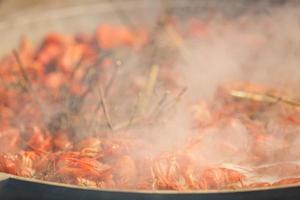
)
(42, 92)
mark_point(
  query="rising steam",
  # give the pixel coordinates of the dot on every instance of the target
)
(262, 48)
(152, 102)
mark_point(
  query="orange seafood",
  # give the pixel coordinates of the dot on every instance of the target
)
(73, 111)
(74, 165)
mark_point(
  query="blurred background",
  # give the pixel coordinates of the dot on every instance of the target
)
(7, 7)
(35, 18)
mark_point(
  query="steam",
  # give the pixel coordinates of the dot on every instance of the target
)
(260, 48)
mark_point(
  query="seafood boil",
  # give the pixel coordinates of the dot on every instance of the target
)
(73, 111)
